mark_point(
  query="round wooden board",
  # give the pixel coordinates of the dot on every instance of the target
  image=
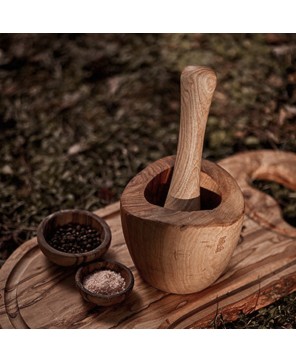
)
(33, 279)
(264, 165)
(34, 293)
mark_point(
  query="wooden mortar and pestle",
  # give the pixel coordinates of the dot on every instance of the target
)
(182, 216)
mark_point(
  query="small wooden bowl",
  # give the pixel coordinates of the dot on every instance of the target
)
(101, 299)
(47, 227)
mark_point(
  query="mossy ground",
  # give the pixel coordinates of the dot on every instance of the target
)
(81, 114)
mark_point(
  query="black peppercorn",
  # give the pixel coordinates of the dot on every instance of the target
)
(73, 238)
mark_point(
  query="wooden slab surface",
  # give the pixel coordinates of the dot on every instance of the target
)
(35, 293)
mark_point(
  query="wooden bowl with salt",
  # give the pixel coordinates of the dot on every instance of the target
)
(104, 283)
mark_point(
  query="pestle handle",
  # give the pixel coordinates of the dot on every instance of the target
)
(197, 88)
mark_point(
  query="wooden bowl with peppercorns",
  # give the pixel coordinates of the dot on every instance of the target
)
(104, 283)
(73, 237)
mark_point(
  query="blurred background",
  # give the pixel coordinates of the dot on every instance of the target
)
(81, 114)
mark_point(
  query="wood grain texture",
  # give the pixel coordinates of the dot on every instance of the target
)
(181, 251)
(197, 88)
(35, 293)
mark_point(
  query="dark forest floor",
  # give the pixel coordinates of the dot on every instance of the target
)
(82, 114)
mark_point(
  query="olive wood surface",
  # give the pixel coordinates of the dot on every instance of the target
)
(34, 293)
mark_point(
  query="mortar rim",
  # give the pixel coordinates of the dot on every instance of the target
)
(134, 202)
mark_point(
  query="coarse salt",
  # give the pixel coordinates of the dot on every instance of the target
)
(105, 282)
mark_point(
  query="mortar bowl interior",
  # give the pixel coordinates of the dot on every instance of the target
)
(157, 189)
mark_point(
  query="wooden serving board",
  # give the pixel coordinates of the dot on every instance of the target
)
(34, 293)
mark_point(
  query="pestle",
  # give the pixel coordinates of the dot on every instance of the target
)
(176, 247)
(197, 88)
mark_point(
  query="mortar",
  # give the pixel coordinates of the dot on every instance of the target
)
(182, 216)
